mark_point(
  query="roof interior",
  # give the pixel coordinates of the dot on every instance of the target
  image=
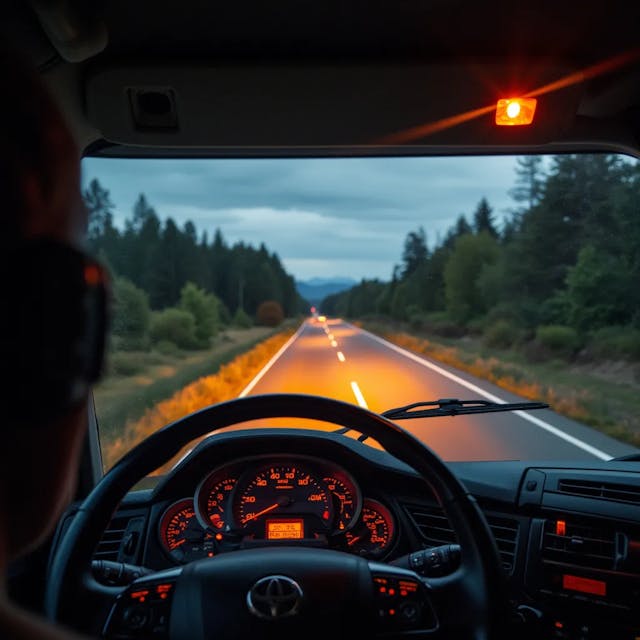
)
(162, 34)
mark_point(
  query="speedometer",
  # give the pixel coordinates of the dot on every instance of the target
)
(281, 502)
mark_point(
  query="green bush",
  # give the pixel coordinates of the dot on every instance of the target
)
(440, 324)
(559, 340)
(124, 364)
(174, 325)
(416, 321)
(501, 335)
(203, 307)
(131, 316)
(167, 348)
(615, 343)
(242, 319)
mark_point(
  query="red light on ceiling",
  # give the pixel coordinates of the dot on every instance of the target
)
(515, 111)
(561, 528)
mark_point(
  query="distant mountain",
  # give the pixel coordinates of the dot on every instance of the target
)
(315, 290)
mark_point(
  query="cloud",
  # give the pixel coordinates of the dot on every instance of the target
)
(343, 216)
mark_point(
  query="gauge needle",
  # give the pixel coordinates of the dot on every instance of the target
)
(261, 513)
(354, 540)
(283, 502)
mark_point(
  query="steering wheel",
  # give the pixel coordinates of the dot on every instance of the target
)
(274, 592)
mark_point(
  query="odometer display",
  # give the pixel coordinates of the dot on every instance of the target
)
(278, 492)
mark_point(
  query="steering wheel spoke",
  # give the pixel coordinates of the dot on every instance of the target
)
(143, 609)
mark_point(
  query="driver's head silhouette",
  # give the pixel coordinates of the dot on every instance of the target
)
(39, 453)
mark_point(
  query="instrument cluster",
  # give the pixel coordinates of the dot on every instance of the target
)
(276, 500)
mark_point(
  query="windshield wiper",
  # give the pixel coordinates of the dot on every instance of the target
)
(454, 407)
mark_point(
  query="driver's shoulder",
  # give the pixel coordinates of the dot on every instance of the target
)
(17, 624)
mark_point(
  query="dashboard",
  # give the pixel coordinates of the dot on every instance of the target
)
(276, 499)
(568, 534)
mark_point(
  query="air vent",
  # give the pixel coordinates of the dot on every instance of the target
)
(432, 524)
(505, 532)
(626, 493)
(121, 539)
(435, 530)
(578, 543)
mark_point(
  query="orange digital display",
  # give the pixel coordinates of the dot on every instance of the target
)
(285, 529)
(585, 585)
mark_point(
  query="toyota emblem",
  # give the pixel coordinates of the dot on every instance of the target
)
(274, 597)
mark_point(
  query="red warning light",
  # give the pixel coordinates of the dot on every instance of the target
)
(561, 528)
(515, 111)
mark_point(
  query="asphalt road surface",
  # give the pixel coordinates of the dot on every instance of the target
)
(339, 360)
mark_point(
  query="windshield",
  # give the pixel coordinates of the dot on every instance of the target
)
(378, 281)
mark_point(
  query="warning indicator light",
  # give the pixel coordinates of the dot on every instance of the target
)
(515, 111)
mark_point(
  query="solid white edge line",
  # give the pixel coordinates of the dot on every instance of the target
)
(358, 394)
(489, 396)
(255, 381)
(271, 362)
(341, 356)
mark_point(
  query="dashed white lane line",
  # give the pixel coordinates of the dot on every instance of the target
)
(334, 343)
(330, 336)
(271, 362)
(341, 356)
(358, 394)
(576, 442)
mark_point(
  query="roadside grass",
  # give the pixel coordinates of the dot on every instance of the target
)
(612, 407)
(160, 388)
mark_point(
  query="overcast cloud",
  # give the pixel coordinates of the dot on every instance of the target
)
(323, 217)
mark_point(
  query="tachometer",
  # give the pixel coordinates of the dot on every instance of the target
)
(181, 535)
(282, 501)
(373, 534)
(345, 502)
(213, 498)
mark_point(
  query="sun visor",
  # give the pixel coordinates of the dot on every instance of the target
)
(264, 107)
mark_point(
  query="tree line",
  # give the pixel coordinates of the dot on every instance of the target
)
(164, 273)
(564, 263)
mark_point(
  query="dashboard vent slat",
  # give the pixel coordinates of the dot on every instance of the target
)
(109, 546)
(582, 544)
(629, 494)
(434, 528)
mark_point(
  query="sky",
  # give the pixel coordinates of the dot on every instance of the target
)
(329, 217)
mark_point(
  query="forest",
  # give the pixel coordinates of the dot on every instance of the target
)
(172, 284)
(561, 270)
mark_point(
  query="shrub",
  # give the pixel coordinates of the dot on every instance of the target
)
(203, 307)
(559, 340)
(501, 335)
(439, 323)
(167, 348)
(131, 316)
(124, 364)
(242, 319)
(176, 326)
(270, 313)
(416, 321)
(621, 343)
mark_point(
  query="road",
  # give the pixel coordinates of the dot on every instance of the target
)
(339, 360)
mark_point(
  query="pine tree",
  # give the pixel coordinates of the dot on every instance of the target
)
(483, 219)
